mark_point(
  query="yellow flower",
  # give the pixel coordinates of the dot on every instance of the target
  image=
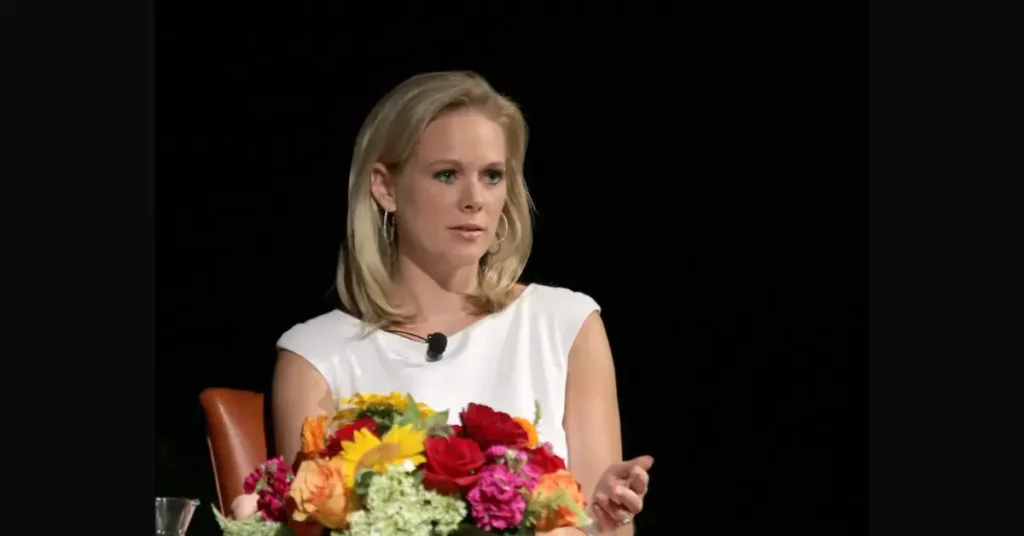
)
(365, 400)
(345, 416)
(366, 451)
(361, 401)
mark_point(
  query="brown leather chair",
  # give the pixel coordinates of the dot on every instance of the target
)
(235, 435)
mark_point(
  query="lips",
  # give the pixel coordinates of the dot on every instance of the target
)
(468, 227)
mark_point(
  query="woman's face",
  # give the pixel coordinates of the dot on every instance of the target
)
(449, 198)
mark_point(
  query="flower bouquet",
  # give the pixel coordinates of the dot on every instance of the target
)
(387, 465)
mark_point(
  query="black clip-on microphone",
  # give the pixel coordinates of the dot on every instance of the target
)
(436, 344)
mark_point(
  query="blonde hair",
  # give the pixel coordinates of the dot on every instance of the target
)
(389, 136)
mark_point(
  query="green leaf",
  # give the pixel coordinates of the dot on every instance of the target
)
(536, 412)
(413, 409)
(440, 431)
(559, 499)
(467, 529)
(363, 479)
(253, 525)
(438, 419)
(410, 416)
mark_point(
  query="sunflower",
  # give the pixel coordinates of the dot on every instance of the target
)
(366, 451)
(363, 401)
(345, 416)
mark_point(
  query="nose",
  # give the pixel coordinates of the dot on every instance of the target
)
(471, 196)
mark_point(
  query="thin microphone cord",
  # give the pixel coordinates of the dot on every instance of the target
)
(420, 337)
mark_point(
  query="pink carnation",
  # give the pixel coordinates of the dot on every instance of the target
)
(271, 482)
(496, 501)
(516, 462)
(496, 451)
(530, 475)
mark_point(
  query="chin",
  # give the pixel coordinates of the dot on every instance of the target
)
(460, 261)
(459, 255)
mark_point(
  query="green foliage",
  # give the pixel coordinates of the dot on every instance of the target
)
(440, 431)
(253, 525)
(536, 506)
(439, 419)
(411, 415)
(436, 425)
(363, 479)
(384, 415)
(468, 529)
(536, 412)
(397, 505)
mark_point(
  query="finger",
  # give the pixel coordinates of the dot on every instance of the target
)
(614, 506)
(611, 517)
(638, 480)
(645, 462)
(605, 513)
(628, 499)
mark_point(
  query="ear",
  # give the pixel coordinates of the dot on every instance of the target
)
(382, 187)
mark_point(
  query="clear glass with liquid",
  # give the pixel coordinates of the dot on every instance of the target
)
(173, 515)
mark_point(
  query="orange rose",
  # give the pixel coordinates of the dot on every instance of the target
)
(314, 434)
(560, 515)
(319, 493)
(531, 432)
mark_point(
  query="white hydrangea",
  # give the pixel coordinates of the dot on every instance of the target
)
(397, 505)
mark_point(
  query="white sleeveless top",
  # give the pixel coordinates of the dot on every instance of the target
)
(505, 360)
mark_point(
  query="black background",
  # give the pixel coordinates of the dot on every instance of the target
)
(714, 204)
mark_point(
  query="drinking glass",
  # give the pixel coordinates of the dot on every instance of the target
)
(173, 514)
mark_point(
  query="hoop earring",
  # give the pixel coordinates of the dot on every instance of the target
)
(501, 236)
(385, 229)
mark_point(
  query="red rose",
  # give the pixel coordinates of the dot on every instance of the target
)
(545, 460)
(451, 462)
(488, 427)
(346, 433)
(456, 430)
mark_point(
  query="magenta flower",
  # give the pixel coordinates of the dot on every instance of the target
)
(496, 501)
(530, 475)
(271, 482)
(496, 451)
(516, 462)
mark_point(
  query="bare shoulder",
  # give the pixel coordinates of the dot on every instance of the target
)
(591, 342)
(295, 379)
(571, 305)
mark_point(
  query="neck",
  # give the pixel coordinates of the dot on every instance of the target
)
(433, 293)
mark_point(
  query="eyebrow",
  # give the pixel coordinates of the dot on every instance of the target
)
(457, 164)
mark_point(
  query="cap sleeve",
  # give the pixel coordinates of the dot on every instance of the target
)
(308, 342)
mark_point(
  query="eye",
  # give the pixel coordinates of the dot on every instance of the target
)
(446, 176)
(494, 176)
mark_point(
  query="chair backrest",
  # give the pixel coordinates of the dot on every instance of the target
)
(235, 435)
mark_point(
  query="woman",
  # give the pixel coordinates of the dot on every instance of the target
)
(438, 235)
